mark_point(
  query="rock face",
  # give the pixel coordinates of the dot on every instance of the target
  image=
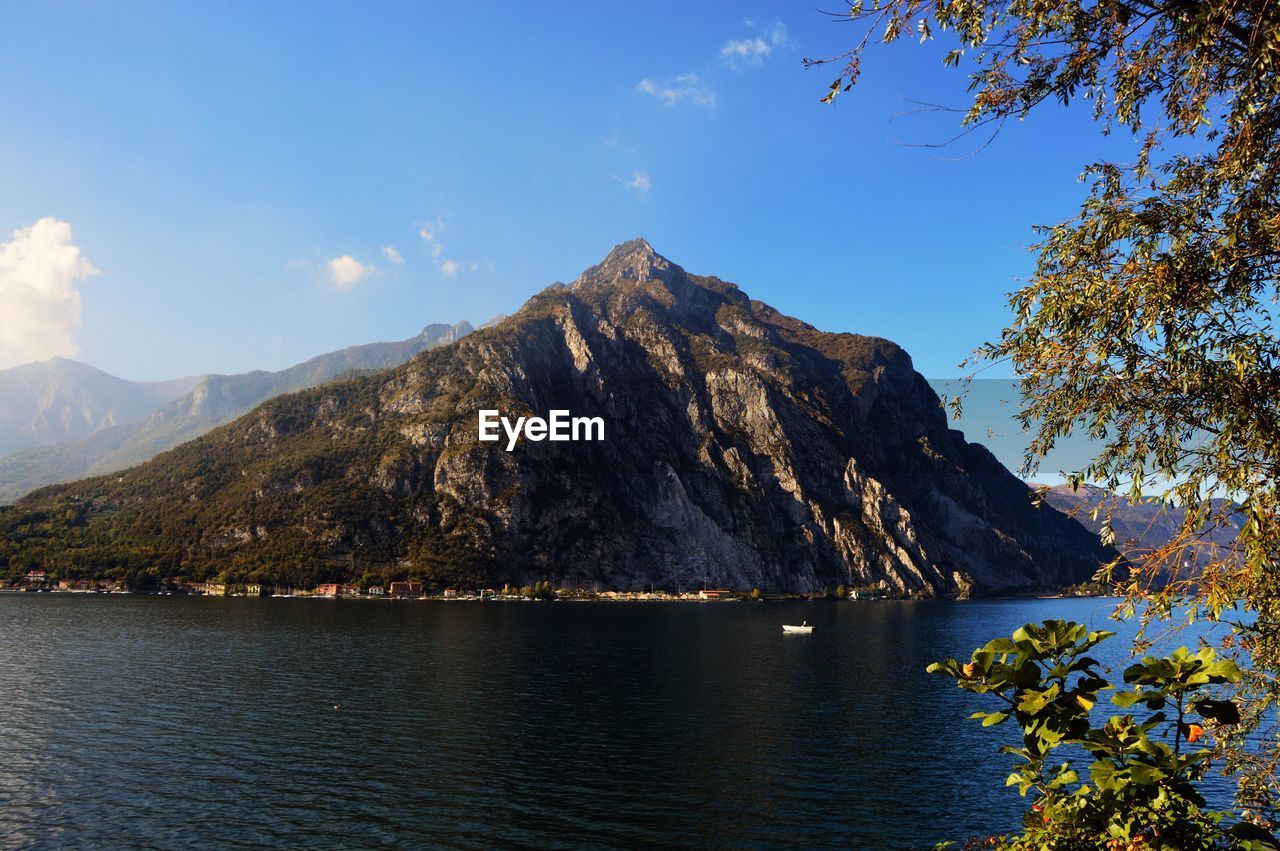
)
(742, 449)
(158, 416)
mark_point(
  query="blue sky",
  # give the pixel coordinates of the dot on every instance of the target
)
(213, 160)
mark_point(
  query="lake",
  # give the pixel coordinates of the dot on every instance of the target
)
(169, 721)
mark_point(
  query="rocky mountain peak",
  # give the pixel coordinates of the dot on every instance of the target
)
(634, 260)
(443, 334)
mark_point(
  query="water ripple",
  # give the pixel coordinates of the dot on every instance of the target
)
(169, 722)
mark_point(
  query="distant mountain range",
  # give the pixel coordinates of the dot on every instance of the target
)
(60, 400)
(742, 449)
(61, 420)
(1139, 527)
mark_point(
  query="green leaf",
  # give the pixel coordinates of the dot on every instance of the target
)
(994, 718)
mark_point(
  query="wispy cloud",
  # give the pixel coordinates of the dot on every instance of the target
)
(638, 183)
(346, 271)
(431, 231)
(391, 253)
(740, 54)
(450, 267)
(680, 89)
(39, 303)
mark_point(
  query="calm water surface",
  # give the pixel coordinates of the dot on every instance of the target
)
(163, 722)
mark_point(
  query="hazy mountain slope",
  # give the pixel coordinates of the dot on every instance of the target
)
(59, 400)
(1139, 528)
(196, 409)
(743, 448)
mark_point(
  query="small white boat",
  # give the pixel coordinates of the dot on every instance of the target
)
(804, 627)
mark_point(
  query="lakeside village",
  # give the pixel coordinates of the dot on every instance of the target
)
(40, 581)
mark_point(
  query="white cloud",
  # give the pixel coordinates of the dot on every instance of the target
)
(685, 87)
(747, 51)
(39, 303)
(451, 268)
(431, 231)
(751, 52)
(346, 271)
(390, 252)
(639, 183)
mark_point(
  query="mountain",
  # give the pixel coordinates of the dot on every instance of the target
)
(198, 405)
(742, 448)
(58, 400)
(1139, 527)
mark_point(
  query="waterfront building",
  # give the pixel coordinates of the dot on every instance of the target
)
(406, 589)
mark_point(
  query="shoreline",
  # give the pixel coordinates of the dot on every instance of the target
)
(603, 597)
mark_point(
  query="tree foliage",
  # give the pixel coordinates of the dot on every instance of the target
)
(1150, 321)
(1141, 789)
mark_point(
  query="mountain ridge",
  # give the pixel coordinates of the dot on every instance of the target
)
(209, 401)
(1139, 527)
